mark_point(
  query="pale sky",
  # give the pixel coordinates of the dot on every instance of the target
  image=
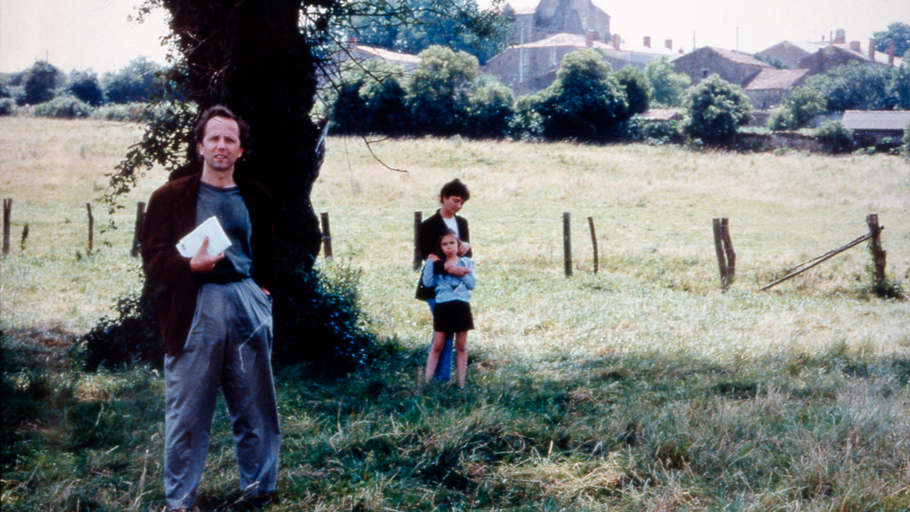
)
(97, 35)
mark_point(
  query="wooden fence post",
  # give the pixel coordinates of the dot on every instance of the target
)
(728, 250)
(7, 213)
(326, 236)
(721, 256)
(567, 241)
(91, 226)
(418, 218)
(137, 232)
(878, 254)
(594, 243)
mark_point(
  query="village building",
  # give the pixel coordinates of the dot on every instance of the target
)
(536, 20)
(770, 86)
(822, 56)
(532, 67)
(871, 127)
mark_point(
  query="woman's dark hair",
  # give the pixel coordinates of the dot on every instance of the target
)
(222, 111)
(454, 188)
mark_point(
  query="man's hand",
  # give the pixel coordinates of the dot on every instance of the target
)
(455, 270)
(463, 248)
(201, 262)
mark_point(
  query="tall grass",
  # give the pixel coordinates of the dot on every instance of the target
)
(642, 387)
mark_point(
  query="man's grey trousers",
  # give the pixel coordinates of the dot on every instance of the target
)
(229, 346)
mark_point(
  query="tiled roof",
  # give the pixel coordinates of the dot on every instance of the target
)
(896, 120)
(660, 114)
(579, 41)
(388, 55)
(739, 58)
(775, 79)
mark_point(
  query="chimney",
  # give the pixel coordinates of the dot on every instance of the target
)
(589, 38)
(647, 41)
(668, 43)
(841, 36)
(891, 54)
(872, 43)
(854, 45)
(616, 41)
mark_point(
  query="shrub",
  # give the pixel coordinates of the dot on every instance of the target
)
(782, 119)
(437, 90)
(135, 82)
(585, 102)
(715, 110)
(323, 322)
(905, 148)
(131, 337)
(637, 89)
(63, 107)
(386, 106)
(128, 112)
(834, 137)
(490, 111)
(7, 106)
(39, 82)
(667, 87)
(85, 86)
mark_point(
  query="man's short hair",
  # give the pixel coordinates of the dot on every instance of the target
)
(454, 188)
(222, 111)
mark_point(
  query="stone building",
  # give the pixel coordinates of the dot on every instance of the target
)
(819, 57)
(736, 68)
(532, 67)
(536, 20)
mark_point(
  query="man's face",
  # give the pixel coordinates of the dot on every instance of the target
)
(220, 147)
(451, 205)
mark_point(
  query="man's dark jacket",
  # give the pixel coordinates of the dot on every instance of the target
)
(428, 235)
(170, 216)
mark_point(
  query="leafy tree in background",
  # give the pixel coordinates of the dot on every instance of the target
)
(84, 85)
(39, 82)
(715, 109)
(136, 82)
(667, 86)
(490, 111)
(385, 96)
(855, 86)
(797, 109)
(412, 26)
(897, 33)
(899, 87)
(585, 102)
(438, 90)
(637, 88)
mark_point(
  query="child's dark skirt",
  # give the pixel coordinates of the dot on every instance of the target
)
(452, 316)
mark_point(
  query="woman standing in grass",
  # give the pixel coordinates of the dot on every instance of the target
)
(453, 309)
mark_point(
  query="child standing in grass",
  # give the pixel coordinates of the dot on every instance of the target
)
(453, 309)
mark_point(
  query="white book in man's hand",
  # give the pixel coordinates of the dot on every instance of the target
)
(218, 240)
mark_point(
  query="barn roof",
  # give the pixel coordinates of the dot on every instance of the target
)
(776, 79)
(887, 120)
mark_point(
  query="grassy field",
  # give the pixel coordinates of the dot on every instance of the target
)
(641, 387)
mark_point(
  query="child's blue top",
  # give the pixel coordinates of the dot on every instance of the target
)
(449, 287)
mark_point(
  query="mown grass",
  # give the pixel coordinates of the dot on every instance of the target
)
(641, 387)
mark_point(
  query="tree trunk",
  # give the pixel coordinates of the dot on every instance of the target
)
(252, 57)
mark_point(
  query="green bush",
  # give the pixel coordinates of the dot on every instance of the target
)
(637, 88)
(797, 109)
(834, 137)
(438, 90)
(905, 147)
(7, 106)
(585, 102)
(39, 82)
(64, 107)
(85, 86)
(490, 111)
(131, 337)
(715, 110)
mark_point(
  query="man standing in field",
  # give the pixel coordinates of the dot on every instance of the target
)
(215, 314)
